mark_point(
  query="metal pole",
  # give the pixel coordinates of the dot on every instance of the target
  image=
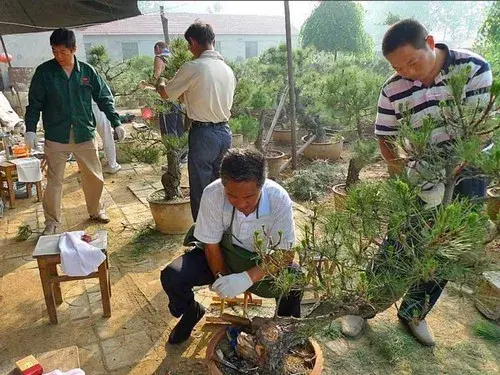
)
(10, 66)
(291, 84)
(164, 23)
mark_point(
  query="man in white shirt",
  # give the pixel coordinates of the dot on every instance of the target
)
(207, 86)
(232, 209)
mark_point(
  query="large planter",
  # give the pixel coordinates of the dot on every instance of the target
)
(171, 217)
(340, 197)
(122, 151)
(274, 160)
(282, 136)
(329, 150)
(221, 334)
(493, 202)
(237, 140)
(487, 295)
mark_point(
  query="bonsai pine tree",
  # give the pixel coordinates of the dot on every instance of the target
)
(351, 93)
(340, 250)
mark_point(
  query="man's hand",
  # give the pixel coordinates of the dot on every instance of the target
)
(231, 285)
(30, 140)
(120, 133)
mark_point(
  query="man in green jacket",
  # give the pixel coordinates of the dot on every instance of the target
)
(63, 89)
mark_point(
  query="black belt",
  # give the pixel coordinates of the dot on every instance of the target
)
(202, 123)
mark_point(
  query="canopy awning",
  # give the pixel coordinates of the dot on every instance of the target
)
(27, 16)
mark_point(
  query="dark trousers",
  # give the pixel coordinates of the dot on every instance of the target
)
(422, 296)
(191, 269)
(207, 146)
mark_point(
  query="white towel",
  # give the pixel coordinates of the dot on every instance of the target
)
(75, 371)
(78, 258)
(28, 169)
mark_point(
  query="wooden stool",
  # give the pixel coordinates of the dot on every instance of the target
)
(48, 256)
(246, 300)
(9, 174)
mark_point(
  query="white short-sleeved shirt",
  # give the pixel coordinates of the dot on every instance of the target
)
(275, 214)
(208, 85)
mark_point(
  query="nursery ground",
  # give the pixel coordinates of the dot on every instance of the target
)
(133, 340)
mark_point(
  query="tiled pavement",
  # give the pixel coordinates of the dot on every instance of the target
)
(132, 340)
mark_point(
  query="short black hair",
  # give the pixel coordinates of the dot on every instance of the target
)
(63, 37)
(408, 31)
(161, 45)
(243, 165)
(201, 32)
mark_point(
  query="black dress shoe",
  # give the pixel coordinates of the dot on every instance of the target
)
(184, 327)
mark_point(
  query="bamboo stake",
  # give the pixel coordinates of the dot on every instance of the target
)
(299, 152)
(276, 116)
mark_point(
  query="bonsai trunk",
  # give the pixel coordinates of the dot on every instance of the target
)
(260, 136)
(352, 173)
(171, 179)
(359, 128)
(449, 186)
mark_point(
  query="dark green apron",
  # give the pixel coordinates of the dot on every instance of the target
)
(238, 259)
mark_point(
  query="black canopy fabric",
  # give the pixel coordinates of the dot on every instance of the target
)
(27, 16)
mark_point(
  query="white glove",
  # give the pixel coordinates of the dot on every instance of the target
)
(30, 140)
(120, 133)
(231, 285)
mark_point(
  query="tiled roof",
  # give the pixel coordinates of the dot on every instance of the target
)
(223, 24)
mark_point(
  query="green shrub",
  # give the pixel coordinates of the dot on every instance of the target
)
(488, 331)
(246, 125)
(312, 183)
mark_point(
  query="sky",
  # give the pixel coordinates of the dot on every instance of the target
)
(299, 10)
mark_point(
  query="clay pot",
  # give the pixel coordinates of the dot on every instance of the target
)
(282, 136)
(329, 150)
(493, 202)
(237, 140)
(339, 197)
(221, 334)
(487, 295)
(274, 162)
(171, 217)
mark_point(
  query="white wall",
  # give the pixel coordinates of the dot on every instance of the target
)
(232, 47)
(30, 50)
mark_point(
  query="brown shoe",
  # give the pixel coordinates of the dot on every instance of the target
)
(421, 331)
(50, 229)
(101, 218)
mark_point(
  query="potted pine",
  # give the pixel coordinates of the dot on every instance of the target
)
(339, 254)
(236, 136)
(170, 206)
(349, 96)
(326, 145)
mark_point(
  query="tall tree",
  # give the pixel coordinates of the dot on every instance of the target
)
(489, 36)
(337, 26)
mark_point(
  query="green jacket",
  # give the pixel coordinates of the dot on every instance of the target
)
(66, 102)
